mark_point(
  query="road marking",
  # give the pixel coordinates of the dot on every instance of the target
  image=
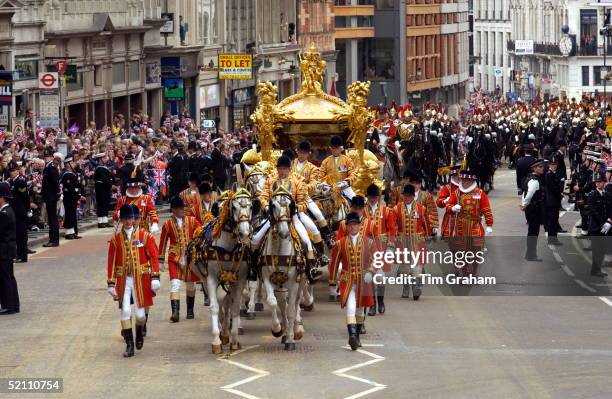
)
(585, 285)
(555, 254)
(606, 301)
(375, 359)
(43, 257)
(567, 270)
(259, 374)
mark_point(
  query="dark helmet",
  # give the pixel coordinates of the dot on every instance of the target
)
(353, 217)
(336, 141)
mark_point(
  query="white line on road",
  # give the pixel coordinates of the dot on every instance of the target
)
(585, 285)
(567, 270)
(556, 254)
(375, 359)
(606, 301)
(259, 374)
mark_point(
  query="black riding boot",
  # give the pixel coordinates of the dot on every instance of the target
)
(139, 336)
(327, 235)
(353, 338)
(128, 336)
(360, 328)
(381, 298)
(175, 305)
(144, 328)
(190, 301)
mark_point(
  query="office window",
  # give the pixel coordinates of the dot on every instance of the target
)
(27, 65)
(97, 75)
(118, 73)
(599, 73)
(134, 71)
(585, 75)
(207, 21)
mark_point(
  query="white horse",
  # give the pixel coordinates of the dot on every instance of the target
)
(221, 260)
(334, 206)
(283, 271)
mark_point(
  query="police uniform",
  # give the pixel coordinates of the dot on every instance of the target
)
(72, 191)
(9, 294)
(533, 201)
(599, 205)
(51, 192)
(103, 179)
(20, 203)
(553, 187)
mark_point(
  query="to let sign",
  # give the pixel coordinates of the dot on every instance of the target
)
(235, 66)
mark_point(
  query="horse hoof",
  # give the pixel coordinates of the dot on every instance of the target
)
(307, 308)
(259, 307)
(277, 334)
(224, 339)
(250, 315)
(243, 312)
(216, 349)
(416, 297)
(290, 346)
(284, 339)
(240, 331)
(235, 346)
(298, 335)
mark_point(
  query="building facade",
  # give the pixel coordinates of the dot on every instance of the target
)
(492, 31)
(548, 72)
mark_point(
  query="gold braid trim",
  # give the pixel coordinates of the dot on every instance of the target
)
(223, 215)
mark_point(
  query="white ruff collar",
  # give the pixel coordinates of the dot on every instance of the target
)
(456, 183)
(136, 195)
(469, 189)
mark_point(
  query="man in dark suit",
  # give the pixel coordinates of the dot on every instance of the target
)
(72, 192)
(51, 194)
(219, 164)
(177, 170)
(599, 206)
(9, 294)
(20, 203)
(553, 188)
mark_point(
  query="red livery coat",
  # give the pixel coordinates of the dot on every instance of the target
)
(431, 212)
(356, 261)
(190, 198)
(411, 227)
(175, 240)
(380, 226)
(148, 214)
(468, 221)
(444, 193)
(136, 257)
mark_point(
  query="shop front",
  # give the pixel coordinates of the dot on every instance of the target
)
(243, 105)
(210, 100)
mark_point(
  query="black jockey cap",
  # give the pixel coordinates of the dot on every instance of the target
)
(126, 212)
(416, 176)
(304, 146)
(408, 190)
(194, 177)
(357, 202)
(373, 190)
(283, 162)
(205, 188)
(135, 211)
(352, 217)
(599, 176)
(336, 141)
(5, 190)
(288, 152)
(176, 202)
(132, 182)
(538, 162)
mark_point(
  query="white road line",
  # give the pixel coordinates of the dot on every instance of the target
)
(42, 257)
(556, 254)
(606, 301)
(259, 374)
(567, 270)
(375, 385)
(585, 285)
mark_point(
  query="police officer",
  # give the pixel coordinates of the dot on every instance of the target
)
(523, 167)
(599, 205)
(71, 190)
(177, 170)
(103, 179)
(9, 295)
(553, 187)
(51, 194)
(21, 206)
(532, 202)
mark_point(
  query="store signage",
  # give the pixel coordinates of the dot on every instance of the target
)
(235, 66)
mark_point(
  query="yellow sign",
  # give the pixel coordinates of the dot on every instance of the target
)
(235, 66)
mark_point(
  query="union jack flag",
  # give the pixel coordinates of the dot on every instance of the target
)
(159, 177)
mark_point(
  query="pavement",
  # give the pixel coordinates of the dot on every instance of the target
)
(525, 337)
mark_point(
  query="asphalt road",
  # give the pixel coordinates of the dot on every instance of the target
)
(500, 341)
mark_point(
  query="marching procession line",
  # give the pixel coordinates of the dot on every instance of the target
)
(259, 374)
(375, 359)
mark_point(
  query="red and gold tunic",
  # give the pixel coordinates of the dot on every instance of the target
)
(474, 206)
(293, 184)
(135, 256)
(309, 173)
(190, 198)
(411, 227)
(202, 211)
(144, 202)
(444, 193)
(176, 239)
(380, 227)
(356, 261)
(431, 212)
(334, 170)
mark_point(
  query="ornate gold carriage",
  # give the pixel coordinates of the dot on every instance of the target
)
(315, 115)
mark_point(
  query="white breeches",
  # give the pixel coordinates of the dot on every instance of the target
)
(259, 236)
(301, 230)
(351, 306)
(309, 224)
(316, 212)
(175, 285)
(126, 308)
(348, 193)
